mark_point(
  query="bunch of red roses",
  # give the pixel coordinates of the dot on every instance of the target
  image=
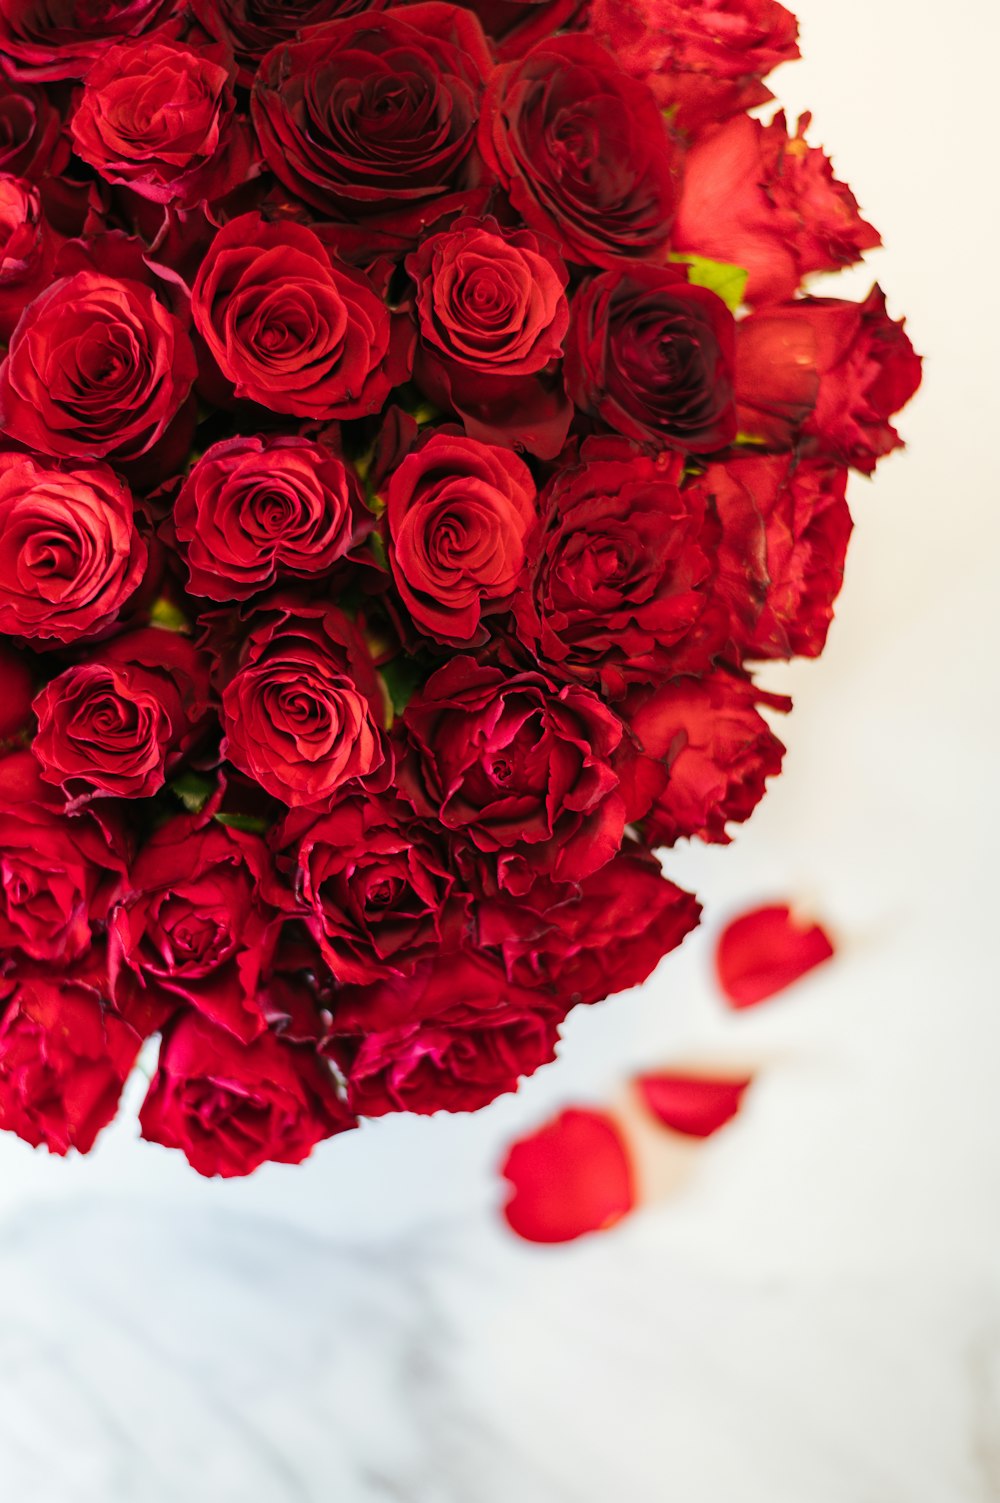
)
(390, 503)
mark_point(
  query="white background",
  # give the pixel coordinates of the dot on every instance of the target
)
(815, 1312)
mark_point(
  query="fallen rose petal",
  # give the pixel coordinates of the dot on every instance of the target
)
(570, 1177)
(691, 1104)
(765, 950)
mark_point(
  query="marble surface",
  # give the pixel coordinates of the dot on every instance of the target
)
(815, 1314)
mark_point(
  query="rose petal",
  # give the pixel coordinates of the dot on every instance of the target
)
(692, 1104)
(765, 950)
(570, 1177)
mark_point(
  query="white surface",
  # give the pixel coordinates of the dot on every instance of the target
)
(817, 1315)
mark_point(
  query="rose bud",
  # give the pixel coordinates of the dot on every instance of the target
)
(122, 721)
(45, 42)
(459, 514)
(252, 27)
(25, 251)
(827, 375)
(70, 555)
(17, 690)
(32, 141)
(256, 510)
(652, 357)
(230, 1107)
(583, 152)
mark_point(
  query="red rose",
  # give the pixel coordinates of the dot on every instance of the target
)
(17, 690)
(26, 250)
(459, 513)
(652, 357)
(826, 374)
(703, 59)
(757, 198)
(194, 927)
(157, 115)
(32, 140)
(294, 329)
(121, 721)
(374, 116)
(516, 25)
(60, 873)
(70, 555)
(718, 751)
(253, 27)
(39, 40)
(97, 368)
(303, 712)
(256, 510)
(522, 768)
(620, 588)
(583, 152)
(64, 1057)
(230, 1107)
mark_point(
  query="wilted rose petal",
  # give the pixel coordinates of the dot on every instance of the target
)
(570, 1177)
(691, 1104)
(765, 950)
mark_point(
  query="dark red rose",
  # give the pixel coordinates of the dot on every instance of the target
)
(194, 927)
(158, 115)
(652, 357)
(60, 873)
(826, 374)
(253, 27)
(32, 140)
(70, 555)
(521, 767)
(374, 116)
(492, 315)
(230, 1107)
(718, 751)
(97, 369)
(470, 1036)
(64, 1057)
(26, 250)
(122, 721)
(703, 59)
(293, 328)
(17, 690)
(620, 588)
(257, 510)
(303, 712)
(758, 198)
(459, 514)
(42, 40)
(515, 26)
(583, 152)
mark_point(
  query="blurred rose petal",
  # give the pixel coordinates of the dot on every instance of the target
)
(765, 950)
(691, 1104)
(570, 1177)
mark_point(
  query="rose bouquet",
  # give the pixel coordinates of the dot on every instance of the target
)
(413, 426)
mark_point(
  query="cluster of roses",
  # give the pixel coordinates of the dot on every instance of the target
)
(390, 503)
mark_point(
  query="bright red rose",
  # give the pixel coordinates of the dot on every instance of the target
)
(64, 1057)
(26, 250)
(32, 140)
(253, 27)
(620, 588)
(652, 357)
(373, 117)
(303, 712)
(583, 152)
(120, 722)
(59, 873)
(294, 329)
(718, 751)
(230, 1107)
(459, 515)
(827, 375)
(256, 510)
(39, 40)
(70, 555)
(17, 690)
(158, 115)
(97, 369)
(522, 768)
(194, 927)
(703, 59)
(758, 198)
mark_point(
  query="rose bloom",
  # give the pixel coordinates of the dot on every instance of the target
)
(70, 555)
(26, 249)
(303, 712)
(40, 40)
(758, 198)
(158, 115)
(826, 374)
(620, 588)
(583, 152)
(459, 515)
(252, 27)
(652, 357)
(230, 1106)
(120, 722)
(32, 140)
(256, 510)
(293, 328)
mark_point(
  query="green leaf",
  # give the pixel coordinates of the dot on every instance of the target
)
(402, 676)
(726, 281)
(253, 824)
(166, 615)
(193, 791)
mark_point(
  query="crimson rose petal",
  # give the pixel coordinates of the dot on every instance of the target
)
(764, 951)
(571, 1177)
(695, 1105)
